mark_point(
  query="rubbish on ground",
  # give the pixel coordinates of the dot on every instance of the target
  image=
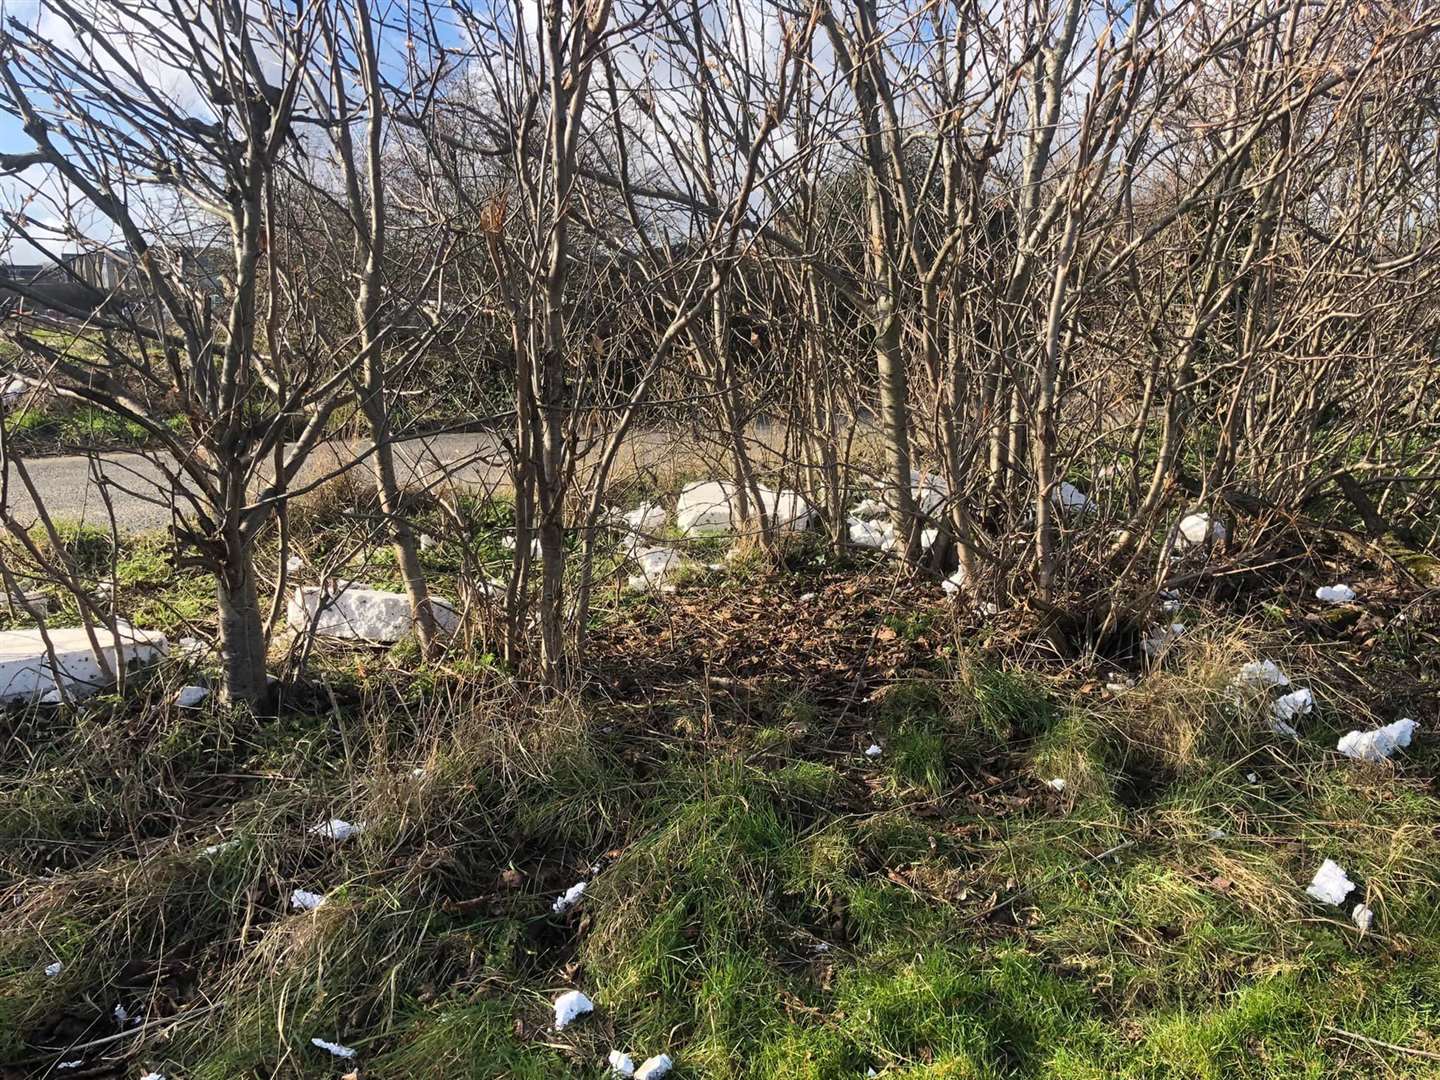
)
(712, 506)
(955, 582)
(335, 1048)
(337, 829)
(656, 565)
(1198, 529)
(569, 1005)
(1293, 705)
(621, 1064)
(1160, 638)
(224, 845)
(26, 673)
(654, 1067)
(873, 750)
(303, 900)
(1070, 499)
(360, 614)
(1335, 594)
(1261, 675)
(1330, 885)
(1379, 744)
(294, 564)
(1056, 783)
(1362, 917)
(572, 897)
(646, 518)
(54, 969)
(120, 1014)
(188, 697)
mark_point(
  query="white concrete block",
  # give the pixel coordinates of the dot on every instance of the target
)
(361, 614)
(26, 674)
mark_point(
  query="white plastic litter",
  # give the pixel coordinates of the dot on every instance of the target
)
(334, 1048)
(654, 1067)
(1070, 499)
(805, 598)
(1280, 727)
(955, 582)
(1056, 783)
(869, 508)
(1261, 675)
(509, 542)
(621, 1064)
(1293, 705)
(26, 674)
(153, 1076)
(15, 389)
(192, 647)
(711, 506)
(224, 845)
(1330, 885)
(1379, 744)
(294, 564)
(188, 697)
(1362, 917)
(426, 541)
(646, 518)
(1252, 778)
(54, 969)
(120, 1015)
(337, 829)
(871, 534)
(656, 566)
(873, 750)
(1335, 594)
(70, 1064)
(571, 897)
(358, 614)
(1198, 529)
(569, 1005)
(303, 900)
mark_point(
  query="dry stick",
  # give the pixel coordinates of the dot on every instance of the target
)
(1411, 1050)
(140, 1029)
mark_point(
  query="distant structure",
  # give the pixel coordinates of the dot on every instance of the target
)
(88, 282)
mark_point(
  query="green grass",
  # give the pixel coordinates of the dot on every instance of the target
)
(764, 900)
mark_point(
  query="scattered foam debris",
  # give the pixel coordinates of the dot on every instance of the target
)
(1335, 594)
(337, 829)
(621, 1064)
(1216, 834)
(188, 697)
(70, 1064)
(120, 1014)
(647, 517)
(654, 1067)
(1362, 917)
(304, 900)
(1261, 675)
(1379, 744)
(427, 541)
(1330, 885)
(153, 1076)
(657, 566)
(1070, 499)
(1293, 705)
(1056, 783)
(334, 1048)
(805, 598)
(1252, 778)
(569, 1005)
(223, 846)
(54, 969)
(1198, 529)
(572, 897)
(294, 564)
(873, 750)
(955, 582)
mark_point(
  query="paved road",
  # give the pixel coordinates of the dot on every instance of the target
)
(142, 495)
